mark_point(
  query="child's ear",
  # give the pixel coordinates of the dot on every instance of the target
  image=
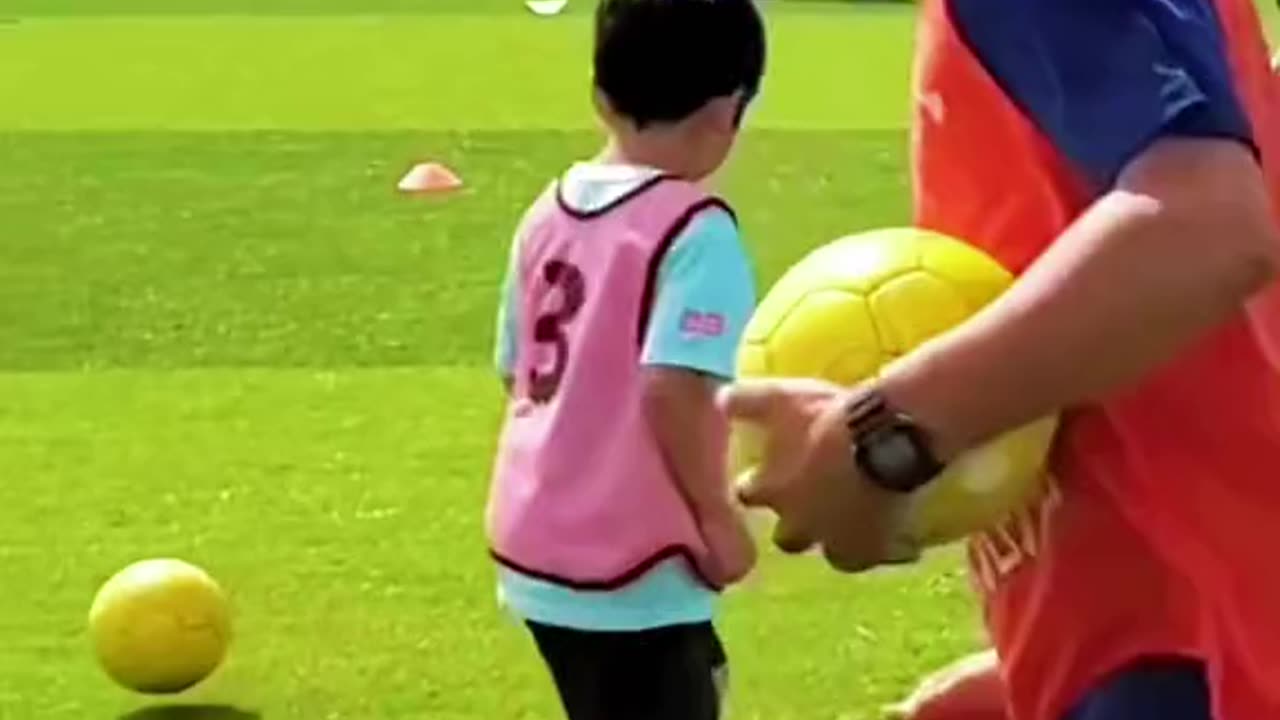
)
(725, 113)
(604, 108)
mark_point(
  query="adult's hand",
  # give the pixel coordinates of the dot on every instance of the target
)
(807, 476)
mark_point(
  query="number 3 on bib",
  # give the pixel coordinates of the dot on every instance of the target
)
(549, 328)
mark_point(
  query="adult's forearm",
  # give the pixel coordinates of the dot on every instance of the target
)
(1176, 249)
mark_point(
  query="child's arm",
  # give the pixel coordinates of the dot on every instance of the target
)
(704, 297)
(681, 409)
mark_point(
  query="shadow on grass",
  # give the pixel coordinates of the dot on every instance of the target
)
(191, 712)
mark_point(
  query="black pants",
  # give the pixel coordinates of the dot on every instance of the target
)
(1153, 689)
(670, 673)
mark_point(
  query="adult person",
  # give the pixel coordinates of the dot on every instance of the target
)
(1121, 157)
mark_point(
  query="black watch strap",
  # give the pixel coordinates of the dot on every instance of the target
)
(865, 411)
(890, 450)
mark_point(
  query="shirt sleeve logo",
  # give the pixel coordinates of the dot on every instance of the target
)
(1177, 88)
(694, 324)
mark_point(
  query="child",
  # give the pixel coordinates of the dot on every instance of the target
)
(610, 515)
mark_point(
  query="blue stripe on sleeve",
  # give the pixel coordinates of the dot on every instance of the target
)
(1105, 78)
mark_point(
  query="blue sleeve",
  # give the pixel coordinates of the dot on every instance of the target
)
(705, 296)
(507, 330)
(1103, 79)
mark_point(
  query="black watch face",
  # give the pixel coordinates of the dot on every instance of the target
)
(895, 460)
(894, 457)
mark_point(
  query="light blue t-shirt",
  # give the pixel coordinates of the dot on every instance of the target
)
(704, 277)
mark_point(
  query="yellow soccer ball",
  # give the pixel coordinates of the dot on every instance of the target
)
(160, 626)
(849, 309)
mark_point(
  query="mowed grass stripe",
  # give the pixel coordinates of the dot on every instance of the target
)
(846, 71)
(98, 8)
(343, 511)
(270, 249)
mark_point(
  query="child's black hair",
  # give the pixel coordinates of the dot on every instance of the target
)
(659, 61)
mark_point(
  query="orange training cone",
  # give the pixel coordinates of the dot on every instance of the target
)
(429, 178)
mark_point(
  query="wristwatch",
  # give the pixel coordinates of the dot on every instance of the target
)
(889, 448)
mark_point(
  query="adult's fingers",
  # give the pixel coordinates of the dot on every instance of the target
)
(793, 534)
(751, 400)
(852, 558)
(846, 561)
(793, 531)
(763, 401)
(761, 487)
(902, 551)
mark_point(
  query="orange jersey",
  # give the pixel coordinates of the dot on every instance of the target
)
(1164, 505)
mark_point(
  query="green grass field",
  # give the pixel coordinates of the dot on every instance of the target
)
(224, 337)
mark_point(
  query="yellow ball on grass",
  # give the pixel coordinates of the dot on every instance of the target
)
(160, 626)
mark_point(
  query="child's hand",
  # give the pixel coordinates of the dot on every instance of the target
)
(731, 546)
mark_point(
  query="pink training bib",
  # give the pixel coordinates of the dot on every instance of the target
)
(581, 494)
